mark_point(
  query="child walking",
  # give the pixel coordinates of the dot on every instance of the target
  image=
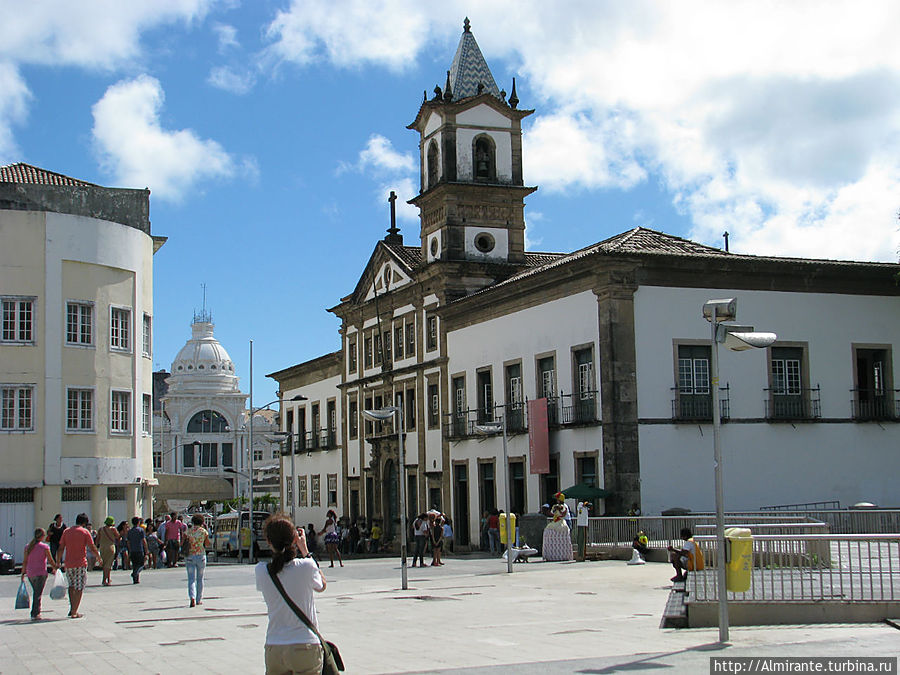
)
(37, 557)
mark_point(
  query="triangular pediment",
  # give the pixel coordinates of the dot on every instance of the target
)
(386, 271)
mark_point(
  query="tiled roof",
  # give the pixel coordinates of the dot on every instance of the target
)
(411, 255)
(469, 69)
(34, 175)
(643, 241)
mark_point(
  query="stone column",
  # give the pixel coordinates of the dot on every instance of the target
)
(618, 388)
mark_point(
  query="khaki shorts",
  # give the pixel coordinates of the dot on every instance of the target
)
(77, 577)
(297, 659)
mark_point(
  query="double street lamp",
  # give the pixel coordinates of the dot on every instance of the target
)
(383, 415)
(737, 339)
(492, 429)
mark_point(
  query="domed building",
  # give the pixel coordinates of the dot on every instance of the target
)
(201, 415)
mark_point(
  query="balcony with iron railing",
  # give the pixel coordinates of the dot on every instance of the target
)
(688, 406)
(573, 409)
(873, 405)
(782, 406)
(311, 441)
(565, 410)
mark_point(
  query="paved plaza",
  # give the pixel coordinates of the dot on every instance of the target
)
(469, 616)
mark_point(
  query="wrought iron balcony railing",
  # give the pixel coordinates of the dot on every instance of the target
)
(688, 406)
(564, 410)
(802, 405)
(876, 404)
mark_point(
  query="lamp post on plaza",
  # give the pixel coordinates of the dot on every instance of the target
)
(380, 416)
(239, 548)
(735, 338)
(492, 429)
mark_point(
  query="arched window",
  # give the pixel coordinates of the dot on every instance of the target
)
(483, 158)
(206, 422)
(434, 167)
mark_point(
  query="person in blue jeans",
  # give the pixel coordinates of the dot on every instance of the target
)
(137, 548)
(195, 562)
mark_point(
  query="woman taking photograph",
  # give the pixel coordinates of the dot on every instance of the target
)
(332, 538)
(291, 647)
(107, 538)
(195, 561)
(37, 557)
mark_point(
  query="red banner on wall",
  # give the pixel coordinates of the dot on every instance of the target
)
(538, 436)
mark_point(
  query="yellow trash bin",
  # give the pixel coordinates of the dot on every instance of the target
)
(503, 527)
(738, 559)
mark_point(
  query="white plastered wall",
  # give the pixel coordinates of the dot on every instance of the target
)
(546, 329)
(765, 463)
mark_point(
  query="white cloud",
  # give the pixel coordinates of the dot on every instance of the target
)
(349, 33)
(97, 34)
(14, 97)
(137, 151)
(227, 36)
(563, 150)
(391, 170)
(379, 154)
(231, 80)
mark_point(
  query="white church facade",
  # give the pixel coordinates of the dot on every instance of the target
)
(467, 327)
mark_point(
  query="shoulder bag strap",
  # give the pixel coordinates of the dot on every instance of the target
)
(293, 605)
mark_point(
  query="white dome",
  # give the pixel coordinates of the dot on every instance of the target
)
(203, 364)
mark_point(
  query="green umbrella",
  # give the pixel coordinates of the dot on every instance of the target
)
(585, 491)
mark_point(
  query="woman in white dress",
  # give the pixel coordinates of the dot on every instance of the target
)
(557, 543)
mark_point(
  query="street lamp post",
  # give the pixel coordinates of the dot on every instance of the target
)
(492, 429)
(735, 338)
(380, 416)
(240, 510)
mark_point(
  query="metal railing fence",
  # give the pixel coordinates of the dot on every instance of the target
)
(808, 568)
(663, 531)
(841, 521)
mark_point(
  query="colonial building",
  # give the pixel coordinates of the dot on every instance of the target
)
(466, 327)
(201, 421)
(76, 285)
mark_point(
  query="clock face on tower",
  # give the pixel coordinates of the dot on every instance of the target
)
(434, 247)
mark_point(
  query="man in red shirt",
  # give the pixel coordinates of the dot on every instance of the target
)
(175, 530)
(73, 545)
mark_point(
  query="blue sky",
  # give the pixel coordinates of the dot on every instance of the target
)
(271, 132)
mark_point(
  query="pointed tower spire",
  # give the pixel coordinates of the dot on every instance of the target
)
(469, 68)
(513, 99)
(448, 92)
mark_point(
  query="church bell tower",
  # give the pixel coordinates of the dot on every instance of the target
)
(472, 197)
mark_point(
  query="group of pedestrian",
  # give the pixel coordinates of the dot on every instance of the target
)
(430, 530)
(72, 550)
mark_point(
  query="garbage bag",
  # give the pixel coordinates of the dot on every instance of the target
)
(58, 590)
(22, 597)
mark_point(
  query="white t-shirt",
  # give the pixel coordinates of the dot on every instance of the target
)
(420, 527)
(300, 578)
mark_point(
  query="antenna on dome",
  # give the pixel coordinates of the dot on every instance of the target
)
(203, 316)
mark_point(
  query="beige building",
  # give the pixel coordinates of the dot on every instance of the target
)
(76, 285)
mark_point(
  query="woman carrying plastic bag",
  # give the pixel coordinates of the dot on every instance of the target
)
(34, 566)
(22, 596)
